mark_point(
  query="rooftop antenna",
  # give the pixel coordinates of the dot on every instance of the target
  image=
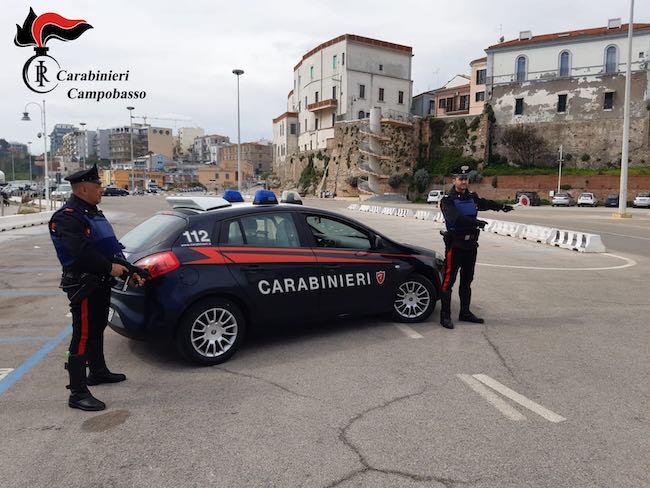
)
(501, 38)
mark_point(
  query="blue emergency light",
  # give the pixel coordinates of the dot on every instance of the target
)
(264, 197)
(232, 196)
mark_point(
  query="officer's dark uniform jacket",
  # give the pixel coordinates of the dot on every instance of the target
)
(91, 253)
(460, 211)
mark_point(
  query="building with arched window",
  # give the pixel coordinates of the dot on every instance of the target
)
(574, 83)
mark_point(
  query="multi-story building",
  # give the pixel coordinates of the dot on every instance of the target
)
(477, 81)
(207, 149)
(453, 98)
(342, 79)
(259, 154)
(102, 147)
(571, 85)
(186, 137)
(77, 147)
(424, 104)
(224, 176)
(145, 139)
(56, 136)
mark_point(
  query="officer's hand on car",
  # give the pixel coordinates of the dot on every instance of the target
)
(136, 280)
(481, 223)
(507, 208)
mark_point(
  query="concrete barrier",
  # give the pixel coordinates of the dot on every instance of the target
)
(11, 222)
(354, 206)
(565, 239)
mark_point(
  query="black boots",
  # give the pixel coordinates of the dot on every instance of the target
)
(465, 315)
(445, 310)
(99, 372)
(80, 396)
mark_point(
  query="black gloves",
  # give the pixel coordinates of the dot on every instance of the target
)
(507, 208)
(481, 223)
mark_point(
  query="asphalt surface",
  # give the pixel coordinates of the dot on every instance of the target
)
(355, 403)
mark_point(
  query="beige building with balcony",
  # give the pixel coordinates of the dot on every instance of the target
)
(453, 98)
(477, 87)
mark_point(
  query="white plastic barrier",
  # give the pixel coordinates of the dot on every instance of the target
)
(10, 222)
(353, 206)
(537, 233)
(565, 239)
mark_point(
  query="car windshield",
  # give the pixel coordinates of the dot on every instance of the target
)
(151, 232)
(644, 195)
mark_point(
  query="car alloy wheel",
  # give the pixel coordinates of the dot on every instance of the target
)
(414, 299)
(210, 331)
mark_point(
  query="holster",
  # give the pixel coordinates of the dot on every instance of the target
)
(82, 286)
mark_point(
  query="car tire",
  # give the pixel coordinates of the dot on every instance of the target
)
(211, 318)
(415, 299)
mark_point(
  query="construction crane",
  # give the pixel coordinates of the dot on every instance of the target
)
(176, 120)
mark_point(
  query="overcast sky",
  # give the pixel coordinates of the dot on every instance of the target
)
(182, 53)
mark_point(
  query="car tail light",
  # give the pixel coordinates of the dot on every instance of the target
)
(159, 264)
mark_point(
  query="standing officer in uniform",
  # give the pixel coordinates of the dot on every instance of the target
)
(85, 245)
(460, 208)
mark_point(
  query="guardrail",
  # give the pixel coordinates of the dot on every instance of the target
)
(565, 239)
(11, 222)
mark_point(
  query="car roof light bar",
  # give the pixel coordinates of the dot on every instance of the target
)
(198, 203)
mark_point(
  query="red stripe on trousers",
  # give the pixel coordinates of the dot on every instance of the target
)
(447, 271)
(84, 327)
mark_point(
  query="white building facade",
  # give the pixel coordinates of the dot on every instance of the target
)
(186, 137)
(341, 80)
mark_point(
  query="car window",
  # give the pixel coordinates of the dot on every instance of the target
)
(268, 230)
(328, 232)
(151, 232)
(234, 235)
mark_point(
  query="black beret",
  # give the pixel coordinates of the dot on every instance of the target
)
(91, 175)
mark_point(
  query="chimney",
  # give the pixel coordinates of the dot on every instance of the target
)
(614, 23)
(525, 35)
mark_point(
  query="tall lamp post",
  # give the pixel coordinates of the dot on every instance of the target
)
(622, 197)
(29, 151)
(44, 135)
(238, 72)
(130, 109)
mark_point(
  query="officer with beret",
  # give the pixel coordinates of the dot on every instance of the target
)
(460, 209)
(85, 245)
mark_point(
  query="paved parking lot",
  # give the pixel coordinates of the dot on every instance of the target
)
(551, 392)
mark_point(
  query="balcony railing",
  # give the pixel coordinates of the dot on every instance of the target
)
(551, 75)
(323, 105)
(395, 117)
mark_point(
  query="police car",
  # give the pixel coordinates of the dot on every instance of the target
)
(218, 267)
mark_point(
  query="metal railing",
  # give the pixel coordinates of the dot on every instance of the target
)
(550, 75)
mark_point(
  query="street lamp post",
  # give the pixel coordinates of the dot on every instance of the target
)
(130, 109)
(622, 197)
(559, 175)
(13, 165)
(83, 129)
(29, 151)
(238, 72)
(44, 134)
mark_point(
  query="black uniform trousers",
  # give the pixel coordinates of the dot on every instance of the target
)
(89, 319)
(457, 259)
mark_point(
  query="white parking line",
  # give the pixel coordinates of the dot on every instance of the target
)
(4, 372)
(520, 399)
(492, 398)
(409, 332)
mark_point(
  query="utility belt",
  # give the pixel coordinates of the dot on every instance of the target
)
(81, 285)
(454, 237)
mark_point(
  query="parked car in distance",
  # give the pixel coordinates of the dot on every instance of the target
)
(111, 191)
(562, 199)
(587, 199)
(642, 199)
(533, 198)
(435, 196)
(612, 201)
(62, 192)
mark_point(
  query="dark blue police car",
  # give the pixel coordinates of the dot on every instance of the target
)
(217, 267)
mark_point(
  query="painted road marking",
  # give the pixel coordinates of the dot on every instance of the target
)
(629, 263)
(34, 359)
(4, 372)
(492, 398)
(12, 339)
(30, 293)
(409, 332)
(520, 399)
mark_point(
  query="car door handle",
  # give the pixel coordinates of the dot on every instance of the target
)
(332, 266)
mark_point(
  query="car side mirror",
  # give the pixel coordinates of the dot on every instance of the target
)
(377, 242)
